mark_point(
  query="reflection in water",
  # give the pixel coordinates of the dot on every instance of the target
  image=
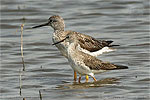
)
(99, 83)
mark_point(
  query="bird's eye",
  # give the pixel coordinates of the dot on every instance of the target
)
(67, 37)
(54, 20)
(51, 21)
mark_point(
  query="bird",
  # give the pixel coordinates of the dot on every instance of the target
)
(88, 44)
(83, 63)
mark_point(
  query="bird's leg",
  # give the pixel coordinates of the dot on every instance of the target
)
(87, 78)
(94, 78)
(75, 76)
(79, 78)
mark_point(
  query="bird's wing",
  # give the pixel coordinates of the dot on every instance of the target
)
(95, 64)
(91, 44)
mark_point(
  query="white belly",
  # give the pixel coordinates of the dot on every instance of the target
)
(79, 68)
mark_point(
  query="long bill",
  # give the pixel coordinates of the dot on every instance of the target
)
(60, 41)
(45, 24)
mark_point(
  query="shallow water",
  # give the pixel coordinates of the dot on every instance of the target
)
(126, 22)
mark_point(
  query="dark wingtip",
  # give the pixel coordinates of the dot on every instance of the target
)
(121, 67)
(113, 45)
(109, 42)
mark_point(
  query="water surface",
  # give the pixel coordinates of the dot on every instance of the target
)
(126, 22)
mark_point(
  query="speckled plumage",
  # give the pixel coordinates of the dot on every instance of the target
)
(87, 43)
(84, 63)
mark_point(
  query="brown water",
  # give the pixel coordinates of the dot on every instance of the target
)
(124, 21)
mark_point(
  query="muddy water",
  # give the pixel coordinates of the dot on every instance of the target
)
(124, 22)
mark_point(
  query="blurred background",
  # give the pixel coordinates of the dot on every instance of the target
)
(126, 22)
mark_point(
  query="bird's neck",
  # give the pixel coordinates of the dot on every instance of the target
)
(58, 33)
(59, 27)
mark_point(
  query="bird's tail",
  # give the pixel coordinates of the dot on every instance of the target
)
(109, 44)
(121, 67)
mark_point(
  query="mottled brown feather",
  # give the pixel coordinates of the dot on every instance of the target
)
(95, 64)
(89, 43)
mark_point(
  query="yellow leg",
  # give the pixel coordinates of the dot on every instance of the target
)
(75, 76)
(79, 79)
(94, 78)
(87, 78)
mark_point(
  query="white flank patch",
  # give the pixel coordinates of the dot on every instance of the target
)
(99, 52)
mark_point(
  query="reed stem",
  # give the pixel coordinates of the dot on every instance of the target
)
(20, 82)
(22, 25)
(40, 95)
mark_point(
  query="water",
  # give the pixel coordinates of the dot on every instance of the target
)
(125, 22)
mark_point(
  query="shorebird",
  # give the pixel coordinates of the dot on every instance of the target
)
(84, 63)
(88, 44)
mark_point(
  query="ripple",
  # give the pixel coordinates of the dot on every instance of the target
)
(124, 22)
(8, 26)
(30, 86)
(52, 75)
